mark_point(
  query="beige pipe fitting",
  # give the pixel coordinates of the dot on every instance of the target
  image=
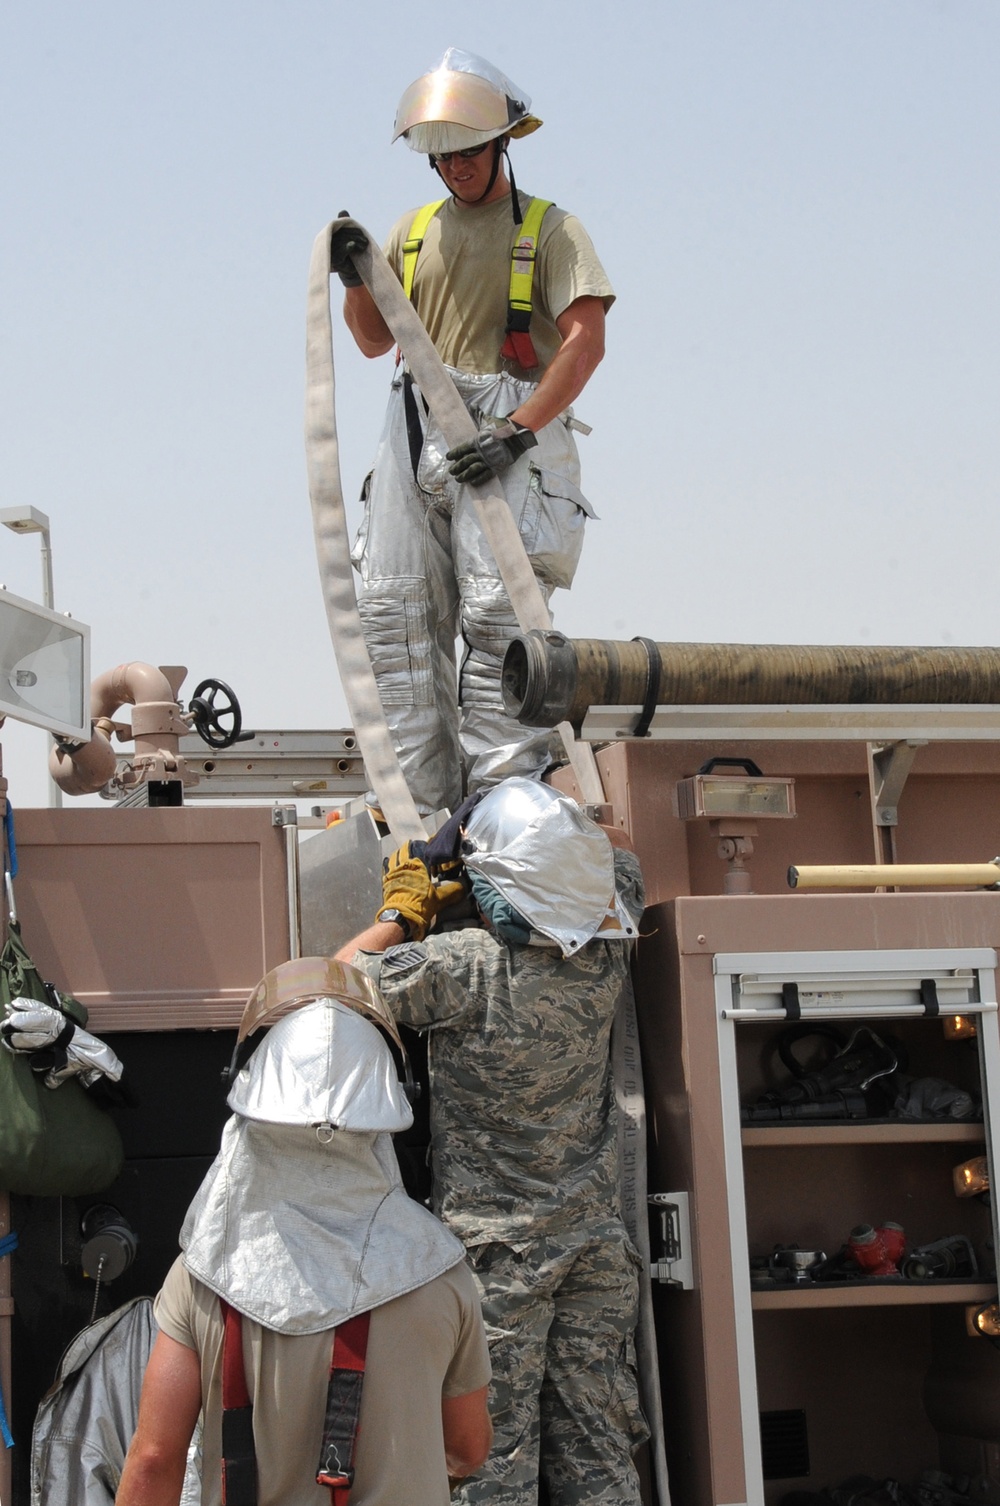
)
(84, 770)
(128, 685)
(156, 725)
(897, 876)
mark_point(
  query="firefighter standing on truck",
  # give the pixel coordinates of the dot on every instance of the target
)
(513, 296)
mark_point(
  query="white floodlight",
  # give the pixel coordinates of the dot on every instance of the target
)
(44, 668)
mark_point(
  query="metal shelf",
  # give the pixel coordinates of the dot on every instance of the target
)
(862, 1133)
(880, 1294)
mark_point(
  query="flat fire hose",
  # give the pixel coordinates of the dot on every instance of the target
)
(457, 426)
(333, 555)
(361, 691)
(626, 1066)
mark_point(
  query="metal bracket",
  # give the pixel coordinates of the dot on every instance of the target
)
(890, 767)
(271, 766)
(286, 818)
(674, 1267)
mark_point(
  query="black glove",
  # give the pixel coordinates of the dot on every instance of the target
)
(344, 246)
(444, 849)
(497, 445)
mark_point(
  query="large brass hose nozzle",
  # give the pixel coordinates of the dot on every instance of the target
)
(549, 678)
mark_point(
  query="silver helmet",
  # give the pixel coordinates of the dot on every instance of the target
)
(549, 861)
(462, 102)
(323, 1060)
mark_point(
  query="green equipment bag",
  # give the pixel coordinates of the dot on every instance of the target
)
(54, 1142)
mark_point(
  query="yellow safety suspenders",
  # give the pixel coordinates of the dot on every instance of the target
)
(517, 346)
(414, 241)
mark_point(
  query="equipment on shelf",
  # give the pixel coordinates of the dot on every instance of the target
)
(863, 1077)
(870, 1253)
(849, 1085)
(946, 1259)
(789, 1263)
(933, 1488)
(877, 1251)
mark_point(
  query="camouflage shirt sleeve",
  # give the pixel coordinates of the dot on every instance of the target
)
(429, 983)
(628, 881)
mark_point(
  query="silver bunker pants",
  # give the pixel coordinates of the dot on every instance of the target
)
(428, 578)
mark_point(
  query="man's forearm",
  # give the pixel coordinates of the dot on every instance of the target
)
(168, 1411)
(378, 937)
(562, 383)
(151, 1482)
(372, 335)
(572, 366)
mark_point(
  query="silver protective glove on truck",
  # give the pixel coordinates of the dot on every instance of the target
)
(497, 445)
(68, 1051)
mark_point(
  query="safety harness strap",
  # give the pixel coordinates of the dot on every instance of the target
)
(239, 1458)
(340, 1427)
(518, 345)
(414, 241)
(343, 1408)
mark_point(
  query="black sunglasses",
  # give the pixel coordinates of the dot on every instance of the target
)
(466, 152)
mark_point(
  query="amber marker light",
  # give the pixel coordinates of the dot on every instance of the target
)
(983, 1322)
(972, 1178)
(958, 1027)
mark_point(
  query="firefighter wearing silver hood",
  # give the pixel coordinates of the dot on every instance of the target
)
(519, 1016)
(511, 292)
(304, 1263)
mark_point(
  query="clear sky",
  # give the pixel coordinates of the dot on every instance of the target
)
(795, 427)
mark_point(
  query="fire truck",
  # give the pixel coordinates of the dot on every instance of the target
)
(816, 1010)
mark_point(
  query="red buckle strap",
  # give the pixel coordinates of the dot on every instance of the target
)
(340, 1428)
(239, 1457)
(343, 1408)
(518, 347)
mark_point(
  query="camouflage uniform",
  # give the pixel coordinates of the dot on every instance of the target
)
(526, 1173)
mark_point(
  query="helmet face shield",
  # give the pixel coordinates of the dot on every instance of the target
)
(298, 982)
(549, 861)
(463, 102)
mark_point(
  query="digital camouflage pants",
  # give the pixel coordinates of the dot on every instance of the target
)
(560, 1314)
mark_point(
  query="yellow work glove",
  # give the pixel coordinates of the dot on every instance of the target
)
(446, 874)
(408, 886)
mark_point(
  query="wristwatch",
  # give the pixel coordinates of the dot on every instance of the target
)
(400, 920)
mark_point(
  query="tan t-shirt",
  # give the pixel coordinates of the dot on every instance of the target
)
(462, 281)
(428, 1344)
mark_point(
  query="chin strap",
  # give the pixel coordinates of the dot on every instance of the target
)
(515, 202)
(498, 152)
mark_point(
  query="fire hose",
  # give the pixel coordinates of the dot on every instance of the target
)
(361, 690)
